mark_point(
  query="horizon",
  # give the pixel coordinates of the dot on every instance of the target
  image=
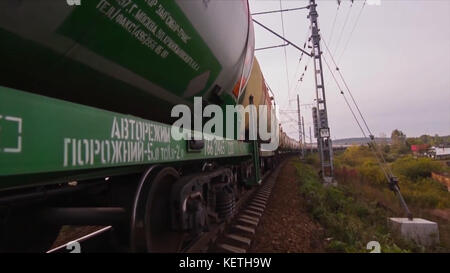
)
(387, 136)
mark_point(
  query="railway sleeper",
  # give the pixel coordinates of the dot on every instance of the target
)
(244, 229)
(258, 204)
(248, 221)
(245, 216)
(255, 208)
(235, 239)
(231, 249)
(251, 212)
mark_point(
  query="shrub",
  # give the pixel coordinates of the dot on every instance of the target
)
(426, 193)
(371, 172)
(349, 220)
(415, 168)
(312, 159)
(354, 155)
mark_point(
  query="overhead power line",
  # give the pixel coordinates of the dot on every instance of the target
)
(269, 47)
(343, 27)
(285, 53)
(392, 181)
(334, 24)
(300, 81)
(345, 98)
(280, 10)
(282, 38)
(353, 99)
(348, 89)
(299, 61)
(353, 30)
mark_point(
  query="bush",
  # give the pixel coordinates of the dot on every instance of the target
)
(415, 168)
(350, 221)
(312, 159)
(354, 155)
(426, 193)
(361, 177)
(371, 172)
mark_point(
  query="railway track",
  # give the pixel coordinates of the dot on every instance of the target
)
(238, 235)
(232, 236)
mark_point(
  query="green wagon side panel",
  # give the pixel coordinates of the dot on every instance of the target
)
(42, 135)
(152, 38)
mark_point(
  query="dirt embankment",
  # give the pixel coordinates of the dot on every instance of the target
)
(286, 225)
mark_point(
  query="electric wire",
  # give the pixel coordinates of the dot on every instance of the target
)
(276, 11)
(285, 53)
(343, 27)
(372, 143)
(299, 61)
(384, 167)
(300, 81)
(346, 86)
(374, 150)
(358, 109)
(334, 24)
(353, 30)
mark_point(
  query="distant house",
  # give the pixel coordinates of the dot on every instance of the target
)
(439, 152)
(420, 149)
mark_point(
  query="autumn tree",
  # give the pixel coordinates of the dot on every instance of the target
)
(398, 139)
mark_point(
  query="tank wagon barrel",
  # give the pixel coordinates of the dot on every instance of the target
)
(125, 55)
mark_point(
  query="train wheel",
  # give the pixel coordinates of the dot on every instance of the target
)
(158, 233)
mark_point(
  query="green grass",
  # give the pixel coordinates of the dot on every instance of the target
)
(357, 210)
(349, 220)
(414, 169)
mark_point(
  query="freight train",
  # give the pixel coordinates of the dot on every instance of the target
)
(86, 93)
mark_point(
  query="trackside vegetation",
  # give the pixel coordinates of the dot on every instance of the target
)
(355, 211)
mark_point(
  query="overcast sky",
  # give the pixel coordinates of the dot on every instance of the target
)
(396, 63)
